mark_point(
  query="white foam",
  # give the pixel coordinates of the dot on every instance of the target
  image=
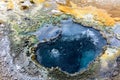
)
(91, 34)
(55, 53)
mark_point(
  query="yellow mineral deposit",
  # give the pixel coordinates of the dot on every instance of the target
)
(109, 56)
(47, 4)
(10, 4)
(100, 15)
(117, 19)
(38, 1)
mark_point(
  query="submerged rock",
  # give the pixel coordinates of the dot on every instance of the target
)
(75, 48)
(47, 33)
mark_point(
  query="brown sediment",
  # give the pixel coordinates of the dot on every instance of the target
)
(111, 6)
(99, 15)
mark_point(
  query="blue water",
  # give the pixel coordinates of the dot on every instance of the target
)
(73, 50)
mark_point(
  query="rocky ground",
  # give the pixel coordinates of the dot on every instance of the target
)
(10, 71)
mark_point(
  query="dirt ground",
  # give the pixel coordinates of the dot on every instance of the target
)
(111, 6)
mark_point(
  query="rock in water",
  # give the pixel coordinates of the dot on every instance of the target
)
(47, 33)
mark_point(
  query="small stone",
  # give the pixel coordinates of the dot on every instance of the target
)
(22, 70)
(2, 25)
(115, 73)
(118, 36)
(118, 61)
(49, 78)
(15, 78)
(3, 54)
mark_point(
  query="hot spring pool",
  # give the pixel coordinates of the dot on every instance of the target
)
(73, 50)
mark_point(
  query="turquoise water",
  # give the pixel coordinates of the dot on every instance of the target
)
(75, 48)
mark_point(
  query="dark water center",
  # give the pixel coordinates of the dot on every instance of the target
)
(73, 50)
